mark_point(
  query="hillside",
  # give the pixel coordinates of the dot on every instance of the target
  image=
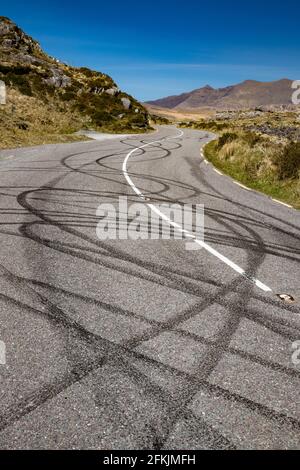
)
(249, 94)
(47, 98)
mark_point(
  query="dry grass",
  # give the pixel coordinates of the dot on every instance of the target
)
(26, 120)
(260, 149)
(259, 165)
(179, 115)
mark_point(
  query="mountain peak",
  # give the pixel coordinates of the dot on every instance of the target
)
(4, 19)
(250, 82)
(13, 39)
(248, 94)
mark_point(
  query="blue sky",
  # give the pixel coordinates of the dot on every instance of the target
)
(159, 48)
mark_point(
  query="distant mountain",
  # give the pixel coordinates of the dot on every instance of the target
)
(248, 94)
(57, 92)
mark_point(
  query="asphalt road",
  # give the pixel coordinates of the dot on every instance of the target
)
(124, 344)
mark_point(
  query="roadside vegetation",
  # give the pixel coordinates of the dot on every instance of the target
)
(27, 120)
(38, 112)
(261, 151)
(159, 120)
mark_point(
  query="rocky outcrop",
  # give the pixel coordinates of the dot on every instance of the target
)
(58, 79)
(12, 37)
(291, 133)
(93, 95)
(126, 103)
(112, 91)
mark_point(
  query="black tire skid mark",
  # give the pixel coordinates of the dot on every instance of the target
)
(225, 334)
(110, 353)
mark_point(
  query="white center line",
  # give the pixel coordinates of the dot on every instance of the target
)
(204, 245)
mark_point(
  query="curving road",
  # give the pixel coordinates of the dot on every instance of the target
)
(125, 344)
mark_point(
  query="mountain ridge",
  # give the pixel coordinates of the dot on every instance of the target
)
(247, 94)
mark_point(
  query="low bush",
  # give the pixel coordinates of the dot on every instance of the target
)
(251, 138)
(226, 138)
(20, 82)
(101, 118)
(288, 162)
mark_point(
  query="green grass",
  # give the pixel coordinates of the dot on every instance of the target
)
(285, 190)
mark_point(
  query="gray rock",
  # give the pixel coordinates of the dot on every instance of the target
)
(58, 79)
(28, 59)
(112, 91)
(5, 28)
(126, 103)
(17, 39)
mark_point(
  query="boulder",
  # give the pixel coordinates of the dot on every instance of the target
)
(112, 91)
(126, 103)
(58, 79)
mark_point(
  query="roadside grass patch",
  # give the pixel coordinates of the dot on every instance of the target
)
(256, 168)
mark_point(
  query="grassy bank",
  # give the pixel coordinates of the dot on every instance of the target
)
(259, 163)
(260, 148)
(27, 120)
